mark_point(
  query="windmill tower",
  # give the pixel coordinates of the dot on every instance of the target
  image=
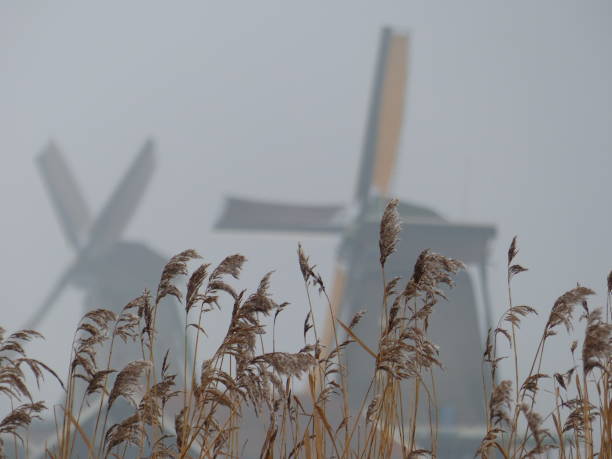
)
(458, 327)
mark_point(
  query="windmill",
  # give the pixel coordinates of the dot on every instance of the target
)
(110, 270)
(457, 327)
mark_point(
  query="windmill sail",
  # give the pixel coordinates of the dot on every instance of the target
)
(385, 116)
(66, 197)
(115, 216)
(50, 300)
(244, 214)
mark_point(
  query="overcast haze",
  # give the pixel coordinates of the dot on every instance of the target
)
(508, 117)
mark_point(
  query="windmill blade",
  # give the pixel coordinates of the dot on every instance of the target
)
(66, 197)
(116, 215)
(247, 215)
(50, 301)
(385, 116)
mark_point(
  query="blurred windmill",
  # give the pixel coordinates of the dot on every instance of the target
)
(457, 328)
(110, 270)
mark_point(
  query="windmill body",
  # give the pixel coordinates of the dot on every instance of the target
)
(456, 326)
(115, 277)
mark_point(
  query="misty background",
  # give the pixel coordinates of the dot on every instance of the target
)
(508, 116)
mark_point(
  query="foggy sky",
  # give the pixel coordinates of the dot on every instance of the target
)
(508, 116)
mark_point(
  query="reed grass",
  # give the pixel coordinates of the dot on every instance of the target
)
(183, 406)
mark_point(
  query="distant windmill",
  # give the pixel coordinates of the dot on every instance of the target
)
(111, 271)
(457, 327)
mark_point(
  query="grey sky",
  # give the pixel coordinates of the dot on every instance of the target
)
(509, 110)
